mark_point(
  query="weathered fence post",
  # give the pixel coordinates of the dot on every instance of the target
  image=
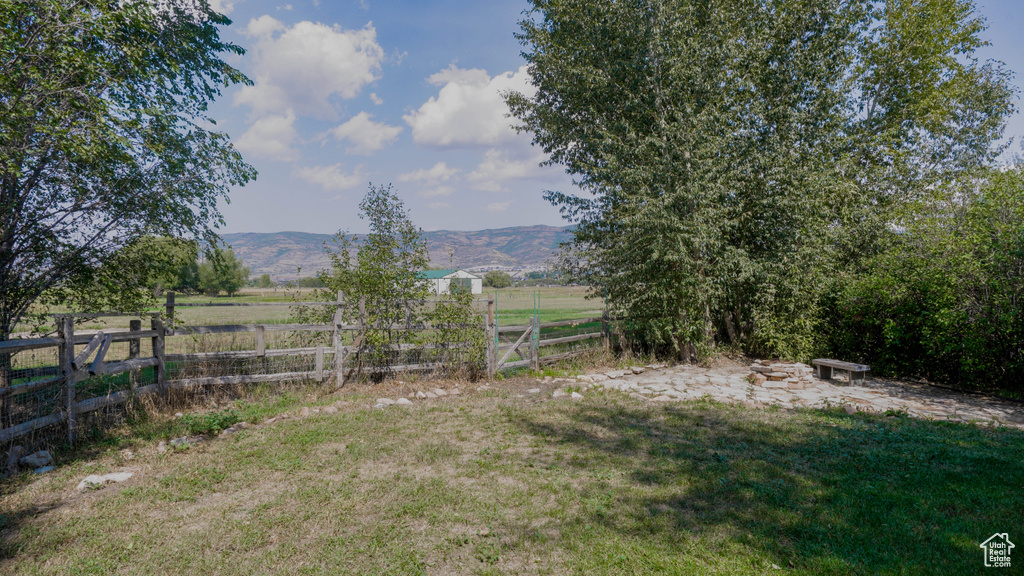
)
(339, 344)
(169, 308)
(535, 342)
(66, 331)
(134, 347)
(160, 371)
(261, 341)
(319, 364)
(605, 331)
(6, 379)
(491, 333)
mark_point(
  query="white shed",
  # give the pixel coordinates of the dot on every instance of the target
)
(441, 280)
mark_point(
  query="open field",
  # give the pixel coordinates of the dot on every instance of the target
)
(514, 306)
(492, 483)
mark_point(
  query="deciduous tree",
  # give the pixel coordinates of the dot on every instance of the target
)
(740, 155)
(497, 279)
(222, 271)
(105, 139)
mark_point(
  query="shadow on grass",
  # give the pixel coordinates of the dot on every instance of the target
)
(811, 491)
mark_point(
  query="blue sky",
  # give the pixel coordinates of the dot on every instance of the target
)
(401, 92)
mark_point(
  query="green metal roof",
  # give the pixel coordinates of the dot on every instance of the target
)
(436, 274)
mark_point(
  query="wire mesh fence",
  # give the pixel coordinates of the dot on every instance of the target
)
(27, 394)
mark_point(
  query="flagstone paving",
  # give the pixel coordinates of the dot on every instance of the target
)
(879, 395)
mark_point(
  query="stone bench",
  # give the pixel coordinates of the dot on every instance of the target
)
(826, 365)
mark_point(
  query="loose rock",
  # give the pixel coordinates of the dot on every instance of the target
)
(403, 402)
(16, 453)
(533, 391)
(558, 394)
(577, 396)
(96, 481)
(37, 460)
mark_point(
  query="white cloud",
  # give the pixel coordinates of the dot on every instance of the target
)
(468, 109)
(223, 6)
(501, 166)
(377, 100)
(333, 177)
(270, 137)
(307, 66)
(439, 172)
(367, 135)
(438, 205)
(498, 206)
(439, 191)
(263, 26)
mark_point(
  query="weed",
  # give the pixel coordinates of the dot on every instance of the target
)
(210, 422)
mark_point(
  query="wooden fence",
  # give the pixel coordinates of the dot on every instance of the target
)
(67, 383)
(534, 349)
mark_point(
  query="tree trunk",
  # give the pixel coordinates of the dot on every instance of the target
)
(739, 323)
(729, 328)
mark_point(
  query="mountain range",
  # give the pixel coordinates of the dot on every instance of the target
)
(282, 254)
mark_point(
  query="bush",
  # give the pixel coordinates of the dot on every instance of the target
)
(497, 279)
(947, 301)
(210, 422)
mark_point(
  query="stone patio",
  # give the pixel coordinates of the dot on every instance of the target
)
(878, 395)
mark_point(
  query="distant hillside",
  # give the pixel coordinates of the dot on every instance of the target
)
(281, 253)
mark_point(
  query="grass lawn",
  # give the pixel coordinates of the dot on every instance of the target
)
(492, 484)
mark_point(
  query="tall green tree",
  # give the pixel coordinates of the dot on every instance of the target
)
(728, 153)
(104, 140)
(222, 271)
(497, 279)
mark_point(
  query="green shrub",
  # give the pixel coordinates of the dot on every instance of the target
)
(947, 301)
(210, 422)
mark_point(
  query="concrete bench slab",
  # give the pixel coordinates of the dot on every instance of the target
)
(827, 365)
